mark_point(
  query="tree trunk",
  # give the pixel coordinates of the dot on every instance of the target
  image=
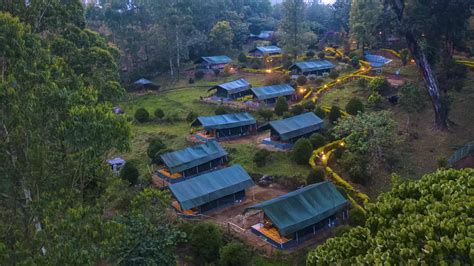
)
(178, 52)
(422, 62)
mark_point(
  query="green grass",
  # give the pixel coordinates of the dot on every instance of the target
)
(278, 163)
(342, 95)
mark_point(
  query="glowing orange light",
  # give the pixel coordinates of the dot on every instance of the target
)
(325, 86)
(413, 60)
(363, 68)
(338, 80)
(342, 144)
(302, 90)
(268, 71)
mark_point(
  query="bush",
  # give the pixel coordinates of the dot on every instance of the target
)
(302, 151)
(404, 56)
(321, 55)
(317, 140)
(374, 99)
(318, 81)
(362, 83)
(334, 114)
(265, 113)
(310, 54)
(142, 115)
(206, 240)
(234, 254)
(442, 162)
(156, 145)
(221, 110)
(334, 74)
(309, 105)
(281, 106)
(130, 173)
(316, 176)
(319, 112)
(287, 115)
(159, 113)
(242, 58)
(191, 117)
(199, 74)
(191, 81)
(301, 80)
(354, 106)
(341, 230)
(260, 157)
(355, 62)
(256, 63)
(379, 84)
(356, 217)
(297, 109)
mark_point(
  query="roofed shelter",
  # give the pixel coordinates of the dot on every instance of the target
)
(261, 51)
(227, 125)
(192, 161)
(213, 62)
(270, 94)
(314, 67)
(296, 216)
(145, 84)
(213, 190)
(233, 89)
(293, 128)
(265, 35)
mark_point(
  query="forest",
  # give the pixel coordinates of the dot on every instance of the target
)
(236, 132)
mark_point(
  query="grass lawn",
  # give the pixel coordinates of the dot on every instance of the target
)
(342, 95)
(278, 163)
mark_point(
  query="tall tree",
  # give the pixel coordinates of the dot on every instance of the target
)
(292, 26)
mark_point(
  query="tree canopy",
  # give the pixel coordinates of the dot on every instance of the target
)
(425, 221)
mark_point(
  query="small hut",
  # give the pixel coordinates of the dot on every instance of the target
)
(270, 94)
(145, 84)
(291, 129)
(233, 89)
(213, 62)
(261, 51)
(226, 126)
(314, 67)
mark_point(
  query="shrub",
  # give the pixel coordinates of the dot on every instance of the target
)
(318, 81)
(234, 254)
(334, 74)
(341, 230)
(316, 175)
(321, 55)
(287, 115)
(281, 106)
(362, 83)
(297, 109)
(265, 113)
(302, 151)
(191, 117)
(354, 106)
(301, 80)
(309, 105)
(221, 110)
(319, 112)
(260, 157)
(334, 114)
(356, 217)
(159, 113)
(379, 84)
(355, 62)
(142, 115)
(191, 81)
(317, 140)
(442, 162)
(199, 74)
(374, 99)
(206, 240)
(310, 54)
(156, 145)
(404, 56)
(242, 58)
(130, 173)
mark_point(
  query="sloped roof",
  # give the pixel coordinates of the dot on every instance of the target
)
(178, 161)
(307, 66)
(225, 121)
(211, 186)
(268, 92)
(215, 60)
(270, 49)
(235, 86)
(297, 125)
(303, 207)
(265, 34)
(377, 60)
(142, 81)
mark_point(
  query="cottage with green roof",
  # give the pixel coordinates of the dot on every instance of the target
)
(210, 191)
(213, 62)
(294, 217)
(291, 129)
(226, 126)
(261, 51)
(182, 164)
(314, 67)
(233, 89)
(270, 94)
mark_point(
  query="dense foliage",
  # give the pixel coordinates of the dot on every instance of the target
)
(281, 106)
(302, 150)
(421, 222)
